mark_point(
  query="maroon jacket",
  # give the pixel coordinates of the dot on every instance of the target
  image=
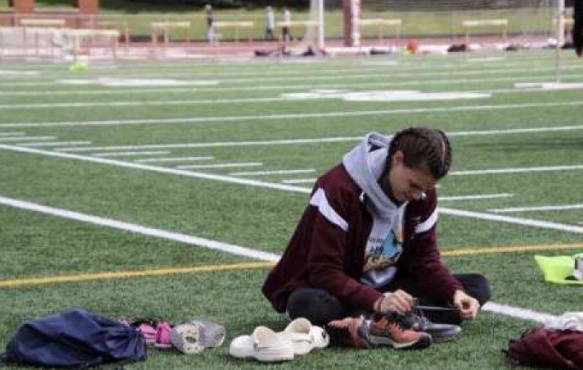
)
(323, 255)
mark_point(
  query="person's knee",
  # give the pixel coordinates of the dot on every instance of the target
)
(316, 305)
(478, 286)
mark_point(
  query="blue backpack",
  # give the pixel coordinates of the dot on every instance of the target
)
(75, 338)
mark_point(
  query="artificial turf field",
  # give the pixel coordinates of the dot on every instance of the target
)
(99, 207)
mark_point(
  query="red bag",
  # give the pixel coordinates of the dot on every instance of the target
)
(553, 348)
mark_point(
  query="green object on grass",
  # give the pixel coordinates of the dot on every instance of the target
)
(557, 269)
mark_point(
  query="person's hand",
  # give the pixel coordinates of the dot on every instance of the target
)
(398, 301)
(467, 305)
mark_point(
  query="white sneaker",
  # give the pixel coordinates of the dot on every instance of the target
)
(186, 338)
(305, 336)
(264, 345)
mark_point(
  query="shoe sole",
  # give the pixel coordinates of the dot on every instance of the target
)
(274, 354)
(445, 335)
(423, 342)
(374, 341)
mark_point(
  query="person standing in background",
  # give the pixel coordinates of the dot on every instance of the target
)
(269, 23)
(210, 28)
(285, 29)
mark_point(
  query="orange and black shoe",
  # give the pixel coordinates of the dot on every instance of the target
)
(382, 331)
(385, 330)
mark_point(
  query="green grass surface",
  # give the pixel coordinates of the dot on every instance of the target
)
(34, 244)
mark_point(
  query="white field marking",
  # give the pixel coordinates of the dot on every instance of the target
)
(519, 313)
(274, 172)
(121, 82)
(175, 159)
(128, 154)
(138, 229)
(5, 72)
(517, 170)
(140, 103)
(4, 134)
(512, 220)
(322, 115)
(486, 59)
(565, 207)
(163, 170)
(314, 141)
(298, 181)
(57, 143)
(142, 91)
(289, 188)
(133, 82)
(388, 96)
(476, 197)
(27, 138)
(356, 96)
(515, 312)
(548, 86)
(220, 144)
(220, 165)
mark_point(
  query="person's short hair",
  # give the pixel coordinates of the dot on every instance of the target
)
(423, 147)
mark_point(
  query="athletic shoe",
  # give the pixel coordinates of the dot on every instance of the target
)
(439, 332)
(381, 331)
(384, 330)
(186, 338)
(212, 335)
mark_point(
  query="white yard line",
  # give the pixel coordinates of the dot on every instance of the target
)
(517, 170)
(128, 154)
(316, 140)
(322, 115)
(143, 91)
(3, 134)
(27, 138)
(138, 229)
(175, 159)
(549, 225)
(298, 181)
(289, 188)
(142, 103)
(221, 144)
(274, 172)
(220, 165)
(515, 312)
(565, 207)
(317, 77)
(156, 169)
(519, 313)
(57, 143)
(476, 197)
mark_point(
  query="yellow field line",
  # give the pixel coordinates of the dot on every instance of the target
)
(131, 274)
(512, 249)
(252, 265)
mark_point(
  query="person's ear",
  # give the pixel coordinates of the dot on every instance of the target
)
(397, 158)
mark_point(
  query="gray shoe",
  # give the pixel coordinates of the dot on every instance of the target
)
(439, 332)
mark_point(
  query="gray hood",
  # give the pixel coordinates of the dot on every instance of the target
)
(366, 167)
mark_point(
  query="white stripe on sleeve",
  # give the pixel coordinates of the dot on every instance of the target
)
(319, 200)
(427, 224)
